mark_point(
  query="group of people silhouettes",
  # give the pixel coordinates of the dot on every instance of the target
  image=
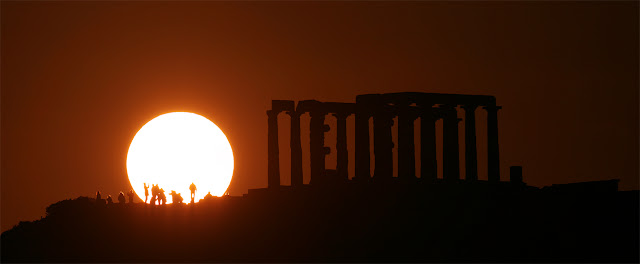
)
(157, 195)
(109, 200)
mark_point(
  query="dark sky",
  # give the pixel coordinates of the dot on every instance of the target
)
(80, 78)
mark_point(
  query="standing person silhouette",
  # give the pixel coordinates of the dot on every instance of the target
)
(121, 199)
(154, 193)
(99, 198)
(162, 199)
(193, 189)
(146, 192)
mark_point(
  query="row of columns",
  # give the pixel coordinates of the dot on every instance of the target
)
(317, 149)
(383, 145)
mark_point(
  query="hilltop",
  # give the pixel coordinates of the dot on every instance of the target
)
(375, 223)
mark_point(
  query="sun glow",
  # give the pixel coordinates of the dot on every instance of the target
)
(175, 149)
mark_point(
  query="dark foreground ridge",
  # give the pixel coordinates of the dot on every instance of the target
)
(375, 222)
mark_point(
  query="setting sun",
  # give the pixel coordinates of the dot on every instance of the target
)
(176, 149)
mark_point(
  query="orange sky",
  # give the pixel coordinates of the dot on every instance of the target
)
(80, 78)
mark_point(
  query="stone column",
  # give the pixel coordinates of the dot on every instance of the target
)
(317, 149)
(383, 144)
(296, 150)
(363, 165)
(406, 145)
(450, 151)
(492, 143)
(273, 180)
(428, 162)
(342, 166)
(470, 153)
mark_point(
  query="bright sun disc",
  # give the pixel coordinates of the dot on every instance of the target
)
(175, 149)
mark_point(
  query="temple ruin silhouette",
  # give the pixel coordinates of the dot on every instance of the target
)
(383, 108)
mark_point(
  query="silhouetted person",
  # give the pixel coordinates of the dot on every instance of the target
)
(193, 189)
(99, 199)
(176, 197)
(109, 200)
(146, 192)
(121, 198)
(130, 194)
(161, 197)
(154, 193)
